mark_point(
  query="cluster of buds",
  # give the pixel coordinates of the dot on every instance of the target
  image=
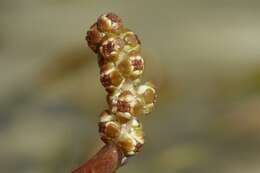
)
(121, 67)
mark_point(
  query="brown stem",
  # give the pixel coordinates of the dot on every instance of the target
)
(107, 160)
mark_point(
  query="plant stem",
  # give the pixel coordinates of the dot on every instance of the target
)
(107, 160)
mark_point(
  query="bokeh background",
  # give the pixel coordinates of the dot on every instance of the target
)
(203, 55)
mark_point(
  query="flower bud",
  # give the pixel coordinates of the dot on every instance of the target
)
(94, 38)
(110, 77)
(127, 105)
(109, 22)
(132, 66)
(111, 48)
(131, 138)
(130, 39)
(148, 95)
(108, 128)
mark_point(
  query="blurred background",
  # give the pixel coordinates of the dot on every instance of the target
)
(203, 55)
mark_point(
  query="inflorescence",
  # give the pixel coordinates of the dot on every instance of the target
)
(121, 67)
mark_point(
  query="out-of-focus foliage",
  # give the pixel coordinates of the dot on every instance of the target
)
(203, 55)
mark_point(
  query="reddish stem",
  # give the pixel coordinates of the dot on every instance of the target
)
(107, 160)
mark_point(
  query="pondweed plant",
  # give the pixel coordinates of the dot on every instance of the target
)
(121, 66)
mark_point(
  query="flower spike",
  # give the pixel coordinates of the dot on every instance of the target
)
(121, 66)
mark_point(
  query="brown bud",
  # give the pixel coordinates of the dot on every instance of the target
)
(110, 77)
(132, 66)
(94, 37)
(111, 48)
(127, 105)
(123, 106)
(108, 126)
(112, 129)
(109, 22)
